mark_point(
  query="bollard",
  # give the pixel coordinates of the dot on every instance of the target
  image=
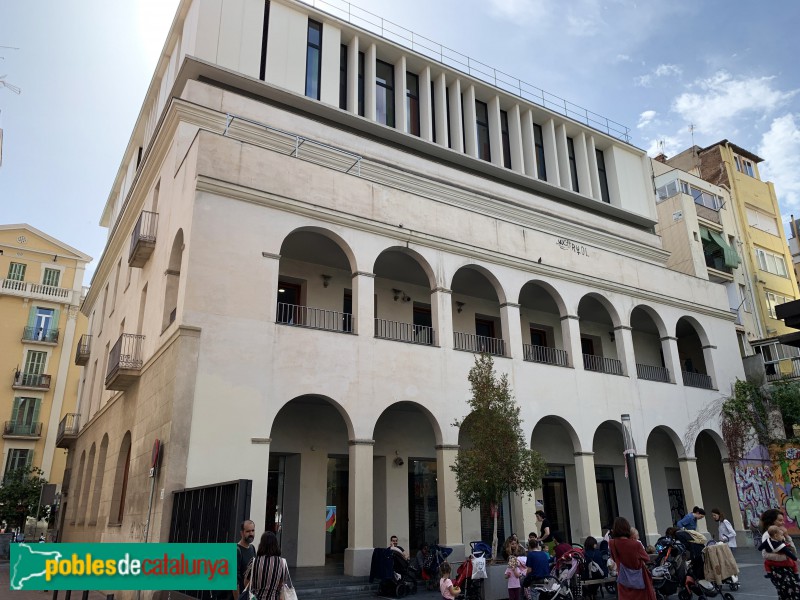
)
(55, 594)
(109, 596)
(85, 595)
(67, 595)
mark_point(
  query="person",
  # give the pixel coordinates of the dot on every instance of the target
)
(691, 519)
(513, 573)
(511, 548)
(593, 556)
(562, 546)
(727, 533)
(670, 532)
(245, 554)
(532, 537)
(537, 562)
(446, 587)
(630, 554)
(42, 538)
(269, 570)
(422, 556)
(393, 545)
(545, 533)
(783, 577)
(775, 543)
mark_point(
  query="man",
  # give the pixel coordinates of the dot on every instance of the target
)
(245, 552)
(393, 546)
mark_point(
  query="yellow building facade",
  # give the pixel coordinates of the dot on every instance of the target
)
(40, 293)
(762, 241)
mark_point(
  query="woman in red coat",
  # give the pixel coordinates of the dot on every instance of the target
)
(631, 554)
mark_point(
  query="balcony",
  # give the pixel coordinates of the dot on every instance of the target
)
(31, 381)
(545, 355)
(652, 373)
(404, 332)
(13, 429)
(36, 291)
(40, 335)
(785, 368)
(698, 380)
(314, 318)
(84, 350)
(469, 342)
(68, 430)
(143, 239)
(601, 364)
(125, 362)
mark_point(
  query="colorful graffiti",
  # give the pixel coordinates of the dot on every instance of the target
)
(754, 486)
(786, 479)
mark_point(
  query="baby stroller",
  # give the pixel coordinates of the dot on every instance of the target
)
(430, 570)
(472, 588)
(669, 570)
(569, 571)
(695, 583)
(392, 570)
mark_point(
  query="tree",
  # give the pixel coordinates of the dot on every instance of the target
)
(19, 495)
(499, 460)
(786, 395)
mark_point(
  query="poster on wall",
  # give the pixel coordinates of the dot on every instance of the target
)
(330, 518)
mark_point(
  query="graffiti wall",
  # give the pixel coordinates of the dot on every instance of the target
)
(755, 486)
(786, 477)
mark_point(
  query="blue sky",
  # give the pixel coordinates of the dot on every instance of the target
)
(726, 66)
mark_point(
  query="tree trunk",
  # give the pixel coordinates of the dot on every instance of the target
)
(494, 532)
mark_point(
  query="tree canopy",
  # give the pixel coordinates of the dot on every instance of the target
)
(19, 495)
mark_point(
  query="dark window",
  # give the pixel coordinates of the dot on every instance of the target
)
(538, 141)
(361, 84)
(447, 108)
(412, 103)
(506, 139)
(384, 93)
(313, 59)
(423, 323)
(484, 327)
(538, 337)
(482, 124)
(601, 170)
(587, 346)
(433, 110)
(289, 303)
(573, 168)
(262, 72)
(347, 311)
(343, 77)
(463, 129)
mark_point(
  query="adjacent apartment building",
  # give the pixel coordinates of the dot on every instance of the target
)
(312, 232)
(40, 292)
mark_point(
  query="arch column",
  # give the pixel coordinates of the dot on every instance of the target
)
(364, 292)
(269, 284)
(691, 487)
(442, 316)
(624, 342)
(669, 346)
(708, 357)
(449, 510)
(650, 534)
(571, 336)
(512, 329)
(587, 495)
(733, 496)
(358, 554)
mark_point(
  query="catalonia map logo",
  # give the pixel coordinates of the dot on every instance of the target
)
(123, 566)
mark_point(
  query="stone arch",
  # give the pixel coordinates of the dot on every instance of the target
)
(173, 281)
(79, 480)
(694, 353)
(665, 451)
(613, 490)
(421, 261)
(601, 338)
(341, 410)
(121, 472)
(658, 321)
(352, 264)
(554, 294)
(566, 425)
(698, 328)
(491, 278)
(99, 478)
(711, 454)
(613, 314)
(87, 485)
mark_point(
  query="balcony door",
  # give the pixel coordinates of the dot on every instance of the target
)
(43, 322)
(35, 362)
(25, 415)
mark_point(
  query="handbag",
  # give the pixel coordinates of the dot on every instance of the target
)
(246, 593)
(631, 578)
(478, 567)
(288, 592)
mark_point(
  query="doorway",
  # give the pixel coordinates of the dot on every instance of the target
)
(336, 507)
(554, 498)
(423, 503)
(606, 495)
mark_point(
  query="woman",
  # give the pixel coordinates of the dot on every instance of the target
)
(783, 578)
(630, 553)
(727, 533)
(545, 533)
(593, 557)
(268, 571)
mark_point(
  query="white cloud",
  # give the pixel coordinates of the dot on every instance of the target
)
(646, 118)
(516, 10)
(664, 70)
(721, 97)
(623, 58)
(780, 149)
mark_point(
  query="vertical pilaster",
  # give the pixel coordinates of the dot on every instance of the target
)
(515, 139)
(733, 497)
(691, 486)
(440, 106)
(651, 533)
(267, 285)
(623, 337)
(563, 156)
(528, 144)
(551, 152)
(582, 164)
(456, 131)
(258, 501)
(442, 316)
(512, 329)
(495, 131)
(708, 357)
(571, 334)
(364, 294)
(669, 346)
(358, 554)
(352, 75)
(370, 56)
(400, 86)
(470, 129)
(425, 105)
(449, 510)
(587, 495)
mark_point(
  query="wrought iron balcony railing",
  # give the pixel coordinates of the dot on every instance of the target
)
(14, 428)
(31, 380)
(478, 343)
(544, 354)
(314, 318)
(39, 334)
(601, 364)
(652, 373)
(698, 380)
(83, 350)
(404, 332)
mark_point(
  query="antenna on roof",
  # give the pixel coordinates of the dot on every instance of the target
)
(9, 86)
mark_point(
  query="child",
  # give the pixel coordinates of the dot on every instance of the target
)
(446, 587)
(513, 572)
(774, 542)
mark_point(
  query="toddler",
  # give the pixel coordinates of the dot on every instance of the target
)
(446, 587)
(775, 543)
(513, 574)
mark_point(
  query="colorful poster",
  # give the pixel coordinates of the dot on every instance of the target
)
(330, 518)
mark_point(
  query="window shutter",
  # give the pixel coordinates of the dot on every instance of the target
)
(15, 410)
(54, 322)
(37, 404)
(32, 316)
(29, 458)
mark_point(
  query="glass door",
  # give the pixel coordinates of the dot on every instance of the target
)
(276, 476)
(423, 503)
(606, 495)
(336, 506)
(554, 498)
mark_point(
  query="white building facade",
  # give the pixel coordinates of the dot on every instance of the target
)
(313, 231)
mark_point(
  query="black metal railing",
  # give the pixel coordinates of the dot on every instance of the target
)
(601, 364)
(314, 318)
(544, 354)
(478, 343)
(69, 425)
(652, 373)
(404, 332)
(143, 238)
(22, 429)
(126, 354)
(698, 380)
(32, 380)
(83, 350)
(39, 334)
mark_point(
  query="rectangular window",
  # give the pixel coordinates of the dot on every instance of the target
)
(412, 104)
(18, 458)
(51, 277)
(738, 163)
(25, 416)
(601, 170)
(433, 111)
(482, 125)
(704, 198)
(313, 59)
(35, 362)
(506, 139)
(573, 166)
(384, 93)
(748, 168)
(771, 263)
(744, 166)
(361, 84)
(262, 71)
(538, 140)
(538, 337)
(773, 300)
(343, 77)
(744, 303)
(762, 221)
(16, 271)
(447, 110)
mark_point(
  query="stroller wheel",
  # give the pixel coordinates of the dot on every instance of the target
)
(733, 586)
(401, 590)
(412, 586)
(728, 596)
(684, 595)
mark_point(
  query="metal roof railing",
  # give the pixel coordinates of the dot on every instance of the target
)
(373, 23)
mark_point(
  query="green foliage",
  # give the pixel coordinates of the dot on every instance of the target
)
(744, 419)
(499, 459)
(19, 495)
(786, 395)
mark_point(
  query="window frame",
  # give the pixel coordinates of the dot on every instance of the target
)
(311, 49)
(771, 304)
(343, 76)
(389, 115)
(412, 105)
(573, 165)
(52, 269)
(538, 147)
(765, 259)
(18, 273)
(505, 136)
(482, 127)
(603, 175)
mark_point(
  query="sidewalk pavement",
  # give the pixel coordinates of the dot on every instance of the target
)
(7, 594)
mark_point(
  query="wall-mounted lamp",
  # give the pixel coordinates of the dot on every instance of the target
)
(1, 253)
(459, 306)
(55, 257)
(397, 293)
(326, 280)
(611, 336)
(398, 460)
